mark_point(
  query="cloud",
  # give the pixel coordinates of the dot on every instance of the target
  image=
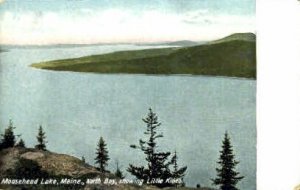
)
(116, 25)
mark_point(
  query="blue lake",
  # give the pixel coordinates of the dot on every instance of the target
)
(75, 109)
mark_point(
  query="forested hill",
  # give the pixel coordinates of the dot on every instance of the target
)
(233, 56)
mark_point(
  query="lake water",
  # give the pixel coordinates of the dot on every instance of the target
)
(75, 109)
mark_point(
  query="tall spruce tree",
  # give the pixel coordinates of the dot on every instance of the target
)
(157, 162)
(177, 173)
(102, 155)
(21, 144)
(227, 177)
(9, 138)
(118, 172)
(41, 139)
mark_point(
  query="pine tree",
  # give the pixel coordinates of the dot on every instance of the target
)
(118, 172)
(21, 143)
(102, 156)
(41, 139)
(178, 173)
(157, 162)
(227, 177)
(1, 144)
(9, 139)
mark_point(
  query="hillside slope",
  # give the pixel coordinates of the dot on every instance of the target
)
(233, 58)
(33, 164)
(250, 37)
(49, 162)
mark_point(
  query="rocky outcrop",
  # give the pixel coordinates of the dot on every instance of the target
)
(52, 163)
(62, 172)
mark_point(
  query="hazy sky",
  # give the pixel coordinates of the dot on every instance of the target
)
(94, 21)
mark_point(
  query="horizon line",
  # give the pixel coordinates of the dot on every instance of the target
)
(126, 42)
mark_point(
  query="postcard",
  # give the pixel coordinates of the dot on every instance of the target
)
(98, 94)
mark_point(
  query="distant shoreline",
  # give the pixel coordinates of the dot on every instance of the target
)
(151, 75)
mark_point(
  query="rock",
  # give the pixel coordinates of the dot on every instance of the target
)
(32, 155)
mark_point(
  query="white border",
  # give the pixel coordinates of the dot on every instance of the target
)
(278, 94)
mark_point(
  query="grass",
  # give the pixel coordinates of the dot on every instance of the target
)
(236, 58)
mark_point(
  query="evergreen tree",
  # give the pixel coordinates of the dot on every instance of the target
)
(157, 162)
(227, 177)
(178, 173)
(9, 139)
(21, 143)
(41, 139)
(119, 173)
(102, 155)
(83, 159)
(1, 144)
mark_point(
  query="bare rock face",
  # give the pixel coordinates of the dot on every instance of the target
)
(32, 155)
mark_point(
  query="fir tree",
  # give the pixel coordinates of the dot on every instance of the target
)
(227, 177)
(118, 172)
(41, 139)
(178, 173)
(21, 143)
(157, 162)
(1, 144)
(9, 139)
(102, 155)
(83, 159)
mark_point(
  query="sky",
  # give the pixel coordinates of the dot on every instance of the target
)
(41, 22)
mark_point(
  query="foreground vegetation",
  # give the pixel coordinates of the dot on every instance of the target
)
(235, 56)
(160, 170)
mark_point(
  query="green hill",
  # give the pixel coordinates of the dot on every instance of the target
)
(232, 57)
(237, 36)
